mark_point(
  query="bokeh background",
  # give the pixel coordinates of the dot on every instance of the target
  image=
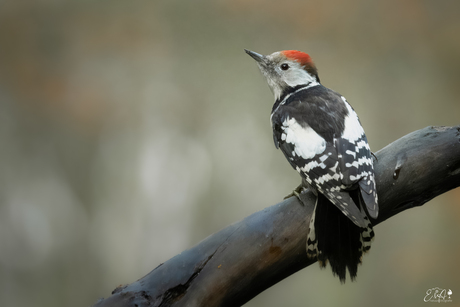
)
(131, 130)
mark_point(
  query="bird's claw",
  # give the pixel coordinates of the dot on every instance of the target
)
(296, 192)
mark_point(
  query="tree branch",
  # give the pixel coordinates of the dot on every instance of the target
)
(235, 264)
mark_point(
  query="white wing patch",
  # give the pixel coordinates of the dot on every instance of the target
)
(353, 129)
(307, 143)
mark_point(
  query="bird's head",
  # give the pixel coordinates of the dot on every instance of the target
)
(286, 70)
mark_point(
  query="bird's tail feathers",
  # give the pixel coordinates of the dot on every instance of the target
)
(335, 239)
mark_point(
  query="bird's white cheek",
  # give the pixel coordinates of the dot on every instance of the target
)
(298, 77)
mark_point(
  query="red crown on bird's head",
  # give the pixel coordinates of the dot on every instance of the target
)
(299, 56)
(304, 60)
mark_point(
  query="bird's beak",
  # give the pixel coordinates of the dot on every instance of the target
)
(258, 57)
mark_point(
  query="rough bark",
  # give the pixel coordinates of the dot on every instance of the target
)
(235, 264)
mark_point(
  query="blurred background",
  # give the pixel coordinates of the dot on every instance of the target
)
(131, 130)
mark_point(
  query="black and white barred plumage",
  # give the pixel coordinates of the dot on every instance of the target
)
(321, 136)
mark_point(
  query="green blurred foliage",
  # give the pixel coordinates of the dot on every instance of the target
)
(130, 130)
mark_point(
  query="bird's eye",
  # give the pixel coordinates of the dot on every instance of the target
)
(284, 66)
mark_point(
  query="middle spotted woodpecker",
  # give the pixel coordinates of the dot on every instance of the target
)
(321, 136)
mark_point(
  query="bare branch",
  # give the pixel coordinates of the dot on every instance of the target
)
(232, 266)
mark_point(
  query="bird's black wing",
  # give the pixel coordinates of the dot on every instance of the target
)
(319, 155)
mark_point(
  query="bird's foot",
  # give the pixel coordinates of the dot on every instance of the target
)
(297, 192)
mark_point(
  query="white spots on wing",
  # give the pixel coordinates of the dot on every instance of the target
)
(307, 143)
(353, 129)
(351, 153)
(360, 161)
(357, 148)
(359, 176)
(334, 168)
(335, 189)
(362, 144)
(326, 178)
(310, 165)
(354, 164)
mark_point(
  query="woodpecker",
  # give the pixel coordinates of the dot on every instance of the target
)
(322, 138)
